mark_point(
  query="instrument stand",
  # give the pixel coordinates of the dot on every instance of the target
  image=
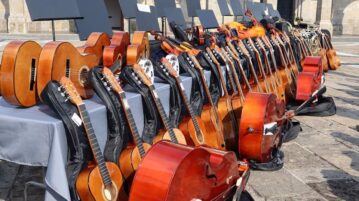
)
(53, 30)
(192, 21)
(129, 26)
(164, 28)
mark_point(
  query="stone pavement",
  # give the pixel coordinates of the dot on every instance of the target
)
(321, 164)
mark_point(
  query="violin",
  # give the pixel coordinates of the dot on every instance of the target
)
(95, 44)
(117, 49)
(58, 59)
(100, 180)
(18, 73)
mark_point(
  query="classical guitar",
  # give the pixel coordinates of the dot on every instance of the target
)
(18, 72)
(117, 49)
(226, 111)
(58, 59)
(95, 44)
(139, 48)
(133, 154)
(177, 173)
(170, 133)
(193, 128)
(99, 180)
(210, 111)
(334, 61)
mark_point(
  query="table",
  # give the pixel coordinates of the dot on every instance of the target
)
(36, 137)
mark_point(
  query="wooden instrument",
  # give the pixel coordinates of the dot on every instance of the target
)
(176, 172)
(226, 111)
(309, 80)
(334, 61)
(132, 155)
(210, 111)
(102, 180)
(117, 49)
(193, 128)
(139, 48)
(95, 44)
(18, 72)
(58, 59)
(260, 130)
(169, 133)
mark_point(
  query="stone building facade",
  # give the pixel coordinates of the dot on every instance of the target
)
(336, 15)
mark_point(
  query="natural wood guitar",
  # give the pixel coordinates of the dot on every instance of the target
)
(58, 59)
(95, 44)
(100, 180)
(18, 72)
(117, 49)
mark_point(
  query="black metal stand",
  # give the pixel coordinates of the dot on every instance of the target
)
(53, 30)
(129, 26)
(164, 28)
(192, 21)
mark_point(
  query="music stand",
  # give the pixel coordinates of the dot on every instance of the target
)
(129, 9)
(90, 22)
(208, 19)
(146, 18)
(176, 15)
(192, 7)
(236, 8)
(257, 9)
(161, 6)
(272, 12)
(51, 10)
(224, 9)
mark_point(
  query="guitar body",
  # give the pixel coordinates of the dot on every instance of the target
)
(322, 54)
(18, 72)
(58, 59)
(95, 44)
(117, 49)
(90, 187)
(230, 123)
(255, 143)
(180, 173)
(209, 119)
(130, 158)
(164, 135)
(309, 80)
(334, 62)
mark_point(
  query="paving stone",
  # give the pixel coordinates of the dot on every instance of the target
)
(333, 190)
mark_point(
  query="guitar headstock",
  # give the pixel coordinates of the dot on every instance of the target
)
(167, 67)
(174, 62)
(141, 75)
(69, 91)
(195, 62)
(111, 80)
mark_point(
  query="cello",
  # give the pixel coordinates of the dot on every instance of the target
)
(100, 180)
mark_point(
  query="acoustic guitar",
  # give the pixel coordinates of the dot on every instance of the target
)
(210, 111)
(95, 44)
(139, 48)
(170, 133)
(226, 111)
(132, 155)
(117, 49)
(18, 72)
(334, 61)
(58, 59)
(177, 173)
(100, 180)
(193, 128)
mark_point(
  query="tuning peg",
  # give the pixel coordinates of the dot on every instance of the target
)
(60, 88)
(63, 94)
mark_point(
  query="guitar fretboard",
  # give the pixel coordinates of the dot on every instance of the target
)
(106, 179)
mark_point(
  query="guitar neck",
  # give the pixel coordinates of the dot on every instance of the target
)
(188, 105)
(131, 122)
(100, 160)
(163, 115)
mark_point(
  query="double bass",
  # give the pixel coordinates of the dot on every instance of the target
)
(178, 173)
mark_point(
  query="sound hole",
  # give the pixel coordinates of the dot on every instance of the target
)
(67, 72)
(33, 74)
(83, 76)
